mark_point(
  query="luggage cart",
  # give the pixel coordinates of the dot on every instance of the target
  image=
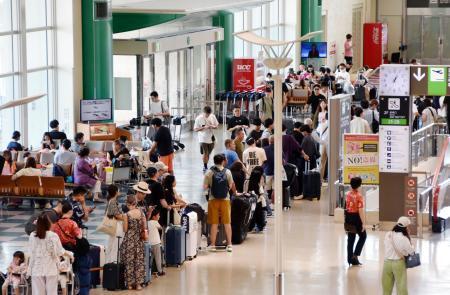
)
(177, 122)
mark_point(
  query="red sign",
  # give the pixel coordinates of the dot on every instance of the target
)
(373, 45)
(243, 74)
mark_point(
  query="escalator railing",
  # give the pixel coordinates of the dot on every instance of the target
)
(427, 142)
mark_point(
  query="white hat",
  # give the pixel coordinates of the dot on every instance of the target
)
(142, 187)
(403, 221)
(160, 166)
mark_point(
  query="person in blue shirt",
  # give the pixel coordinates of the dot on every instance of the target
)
(15, 145)
(230, 153)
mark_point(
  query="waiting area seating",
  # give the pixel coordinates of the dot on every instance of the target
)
(32, 187)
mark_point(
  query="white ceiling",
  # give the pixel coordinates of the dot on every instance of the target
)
(181, 6)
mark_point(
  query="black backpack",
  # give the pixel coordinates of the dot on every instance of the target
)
(375, 124)
(219, 186)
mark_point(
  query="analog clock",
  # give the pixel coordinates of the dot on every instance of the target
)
(394, 80)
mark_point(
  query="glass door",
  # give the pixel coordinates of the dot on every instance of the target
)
(431, 33)
(445, 40)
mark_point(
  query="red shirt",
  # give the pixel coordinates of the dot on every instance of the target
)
(67, 231)
(354, 201)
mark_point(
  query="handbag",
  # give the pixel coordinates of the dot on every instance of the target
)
(176, 217)
(108, 225)
(350, 228)
(412, 260)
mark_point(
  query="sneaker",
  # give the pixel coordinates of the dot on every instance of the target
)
(299, 197)
(212, 248)
(48, 206)
(229, 248)
(160, 274)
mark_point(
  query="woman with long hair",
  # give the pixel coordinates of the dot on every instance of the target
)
(319, 115)
(113, 211)
(132, 248)
(397, 245)
(84, 174)
(172, 201)
(255, 185)
(239, 174)
(46, 250)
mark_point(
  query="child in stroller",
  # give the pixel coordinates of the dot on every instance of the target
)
(15, 274)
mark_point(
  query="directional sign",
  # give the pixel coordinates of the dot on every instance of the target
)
(419, 80)
(437, 80)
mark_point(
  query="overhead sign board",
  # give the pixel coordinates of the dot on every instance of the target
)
(427, 3)
(437, 80)
(430, 80)
(419, 80)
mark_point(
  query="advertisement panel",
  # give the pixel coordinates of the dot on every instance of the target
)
(243, 74)
(373, 45)
(361, 157)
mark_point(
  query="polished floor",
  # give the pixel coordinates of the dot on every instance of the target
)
(314, 253)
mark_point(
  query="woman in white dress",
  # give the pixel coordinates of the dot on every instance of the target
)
(45, 250)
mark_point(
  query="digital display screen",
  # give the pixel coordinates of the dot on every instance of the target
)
(314, 49)
(96, 110)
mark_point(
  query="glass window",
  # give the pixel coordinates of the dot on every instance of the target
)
(239, 21)
(256, 17)
(37, 84)
(291, 12)
(36, 49)
(7, 115)
(6, 64)
(273, 12)
(5, 15)
(36, 13)
(125, 81)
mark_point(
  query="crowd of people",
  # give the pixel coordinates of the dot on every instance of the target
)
(243, 165)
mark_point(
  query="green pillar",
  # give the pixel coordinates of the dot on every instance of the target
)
(224, 51)
(311, 19)
(97, 54)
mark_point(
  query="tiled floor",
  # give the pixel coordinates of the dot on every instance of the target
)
(314, 253)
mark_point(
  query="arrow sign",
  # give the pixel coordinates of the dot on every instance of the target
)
(419, 76)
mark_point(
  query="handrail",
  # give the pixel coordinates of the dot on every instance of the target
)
(425, 142)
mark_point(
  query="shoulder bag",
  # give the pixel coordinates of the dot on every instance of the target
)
(412, 260)
(108, 225)
(144, 231)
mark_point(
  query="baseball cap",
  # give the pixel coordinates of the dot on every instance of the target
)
(403, 221)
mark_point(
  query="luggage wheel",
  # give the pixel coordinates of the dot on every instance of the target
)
(178, 265)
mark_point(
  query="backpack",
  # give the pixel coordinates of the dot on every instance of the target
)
(219, 186)
(375, 124)
(58, 171)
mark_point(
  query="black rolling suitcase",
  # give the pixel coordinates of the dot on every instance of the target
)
(360, 93)
(311, 183)
(289, 184)
(113, 273)
(242, 209)
(221, 238)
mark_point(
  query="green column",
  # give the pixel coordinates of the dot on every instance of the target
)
(311, 19)
(224, 51)
(97, 54)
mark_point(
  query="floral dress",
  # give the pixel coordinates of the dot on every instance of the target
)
(132, 253)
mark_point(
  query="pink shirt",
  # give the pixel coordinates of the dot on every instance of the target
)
(348, 46)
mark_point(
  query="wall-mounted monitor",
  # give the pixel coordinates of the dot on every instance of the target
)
(314, 50)
(96, 110)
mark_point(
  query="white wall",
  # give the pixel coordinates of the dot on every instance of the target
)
(390, 13)
(69, 64)
(339, 21)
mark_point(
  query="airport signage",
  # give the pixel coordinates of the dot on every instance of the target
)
(243, 74)
(430, 80)
(394, 149)
(427, 3)
(361, 158)
(411, 203)
(394, 110)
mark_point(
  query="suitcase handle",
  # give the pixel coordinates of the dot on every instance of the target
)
(307, 165)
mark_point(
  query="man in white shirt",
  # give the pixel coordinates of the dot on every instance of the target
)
(157, 109)
(253, 156)
(358, 124)
(204, 125)
(63, 156)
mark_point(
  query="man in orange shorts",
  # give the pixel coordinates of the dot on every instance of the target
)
(162, 144)
(219, 181)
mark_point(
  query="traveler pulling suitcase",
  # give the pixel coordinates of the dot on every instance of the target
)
(311, 183)
(175, 244)
(289, 184)
(242, 209)
(113, 273)
(189, 223)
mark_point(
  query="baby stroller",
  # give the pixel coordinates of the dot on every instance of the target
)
(67, 277)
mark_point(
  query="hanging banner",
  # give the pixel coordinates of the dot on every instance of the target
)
(373, 45)
(243, 74)
(361, 158)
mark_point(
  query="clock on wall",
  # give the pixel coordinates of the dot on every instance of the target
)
(394, 80)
